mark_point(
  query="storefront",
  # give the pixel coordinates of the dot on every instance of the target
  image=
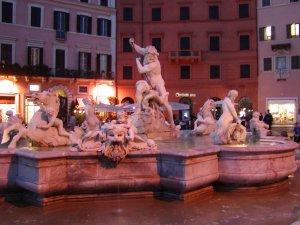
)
(283, 110)
(8, 98)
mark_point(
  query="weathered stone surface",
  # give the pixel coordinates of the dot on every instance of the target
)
(49, 176)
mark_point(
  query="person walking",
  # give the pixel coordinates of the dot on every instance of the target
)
(268, 119)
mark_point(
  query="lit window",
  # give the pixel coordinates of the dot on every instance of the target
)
(293, 30)
(266, 33)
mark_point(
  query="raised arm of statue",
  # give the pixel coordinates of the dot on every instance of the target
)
(146, 68)
(138, 49)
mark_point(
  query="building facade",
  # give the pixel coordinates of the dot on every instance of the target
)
(206, 47)
(279, 59)
(67, 46)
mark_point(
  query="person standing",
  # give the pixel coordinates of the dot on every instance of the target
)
(268, 119)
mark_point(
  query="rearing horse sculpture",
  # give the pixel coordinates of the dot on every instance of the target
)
(44, 129)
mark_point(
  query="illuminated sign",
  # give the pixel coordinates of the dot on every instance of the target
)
(181, 95)
(34, 87)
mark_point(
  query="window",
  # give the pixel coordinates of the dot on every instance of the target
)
(213, 12)
(61, 21)
(84, 24)
(267, 33)
(244, 42)
(281, 63)
(127, 72)
(126, 45)
(295, 62)
(127, 14)
(35, 56)
(185, 43)
(266, 3)
(156, 14)
(245, 71)
(35, 16)
(7, 12)
(60, 59)
(104, 27)
(84, 61)
(214, 72)
(185, 72)
(243, 11)
(87, 1)
(104, 65)
(267, 64)
(184, 13)
(184, 46)
(104, 2)
(214, 43)
(6, 54)
(82, 89)
(294, 0)
(293, 30)
(156, 42)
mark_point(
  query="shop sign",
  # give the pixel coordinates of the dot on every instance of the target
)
(181, 95)
(34, 87)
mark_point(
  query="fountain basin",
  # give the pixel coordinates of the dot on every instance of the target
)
(180, 169)
(268, 162)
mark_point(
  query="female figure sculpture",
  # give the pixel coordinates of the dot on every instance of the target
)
(229, 130)
(205, 123)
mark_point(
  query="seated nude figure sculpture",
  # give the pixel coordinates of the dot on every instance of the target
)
(260, 126)
(229, 130)
(205, 123)
(151, 68)
(88, 137)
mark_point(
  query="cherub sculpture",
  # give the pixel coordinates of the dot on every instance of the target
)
(258, 126)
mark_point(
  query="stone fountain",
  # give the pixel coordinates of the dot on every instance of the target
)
(120, 159)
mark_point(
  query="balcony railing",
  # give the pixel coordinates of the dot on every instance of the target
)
(45, 71)
(185, 55)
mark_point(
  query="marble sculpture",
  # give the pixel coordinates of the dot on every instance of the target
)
(229, 129)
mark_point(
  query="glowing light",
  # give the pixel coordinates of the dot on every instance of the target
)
(7, 87)
(102, 92)
(294, 29)
(34, 87)
(268, 33)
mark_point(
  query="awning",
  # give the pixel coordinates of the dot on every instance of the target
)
(175, 106)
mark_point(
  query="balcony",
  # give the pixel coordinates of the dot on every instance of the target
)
(45, 71)
(61, 35)
(185, 56)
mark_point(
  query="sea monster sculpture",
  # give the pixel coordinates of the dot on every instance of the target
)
(121, 138)
(44, 129)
